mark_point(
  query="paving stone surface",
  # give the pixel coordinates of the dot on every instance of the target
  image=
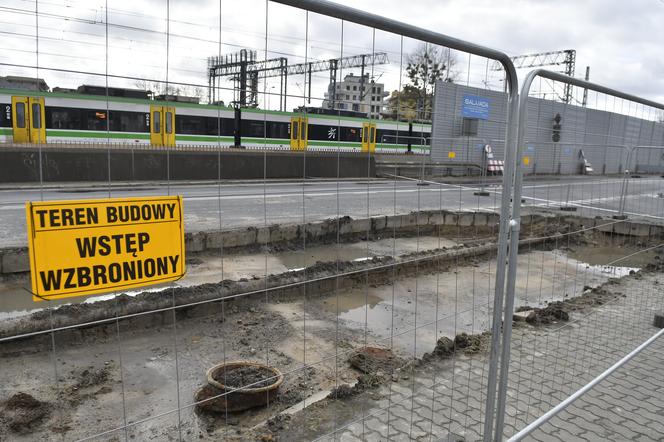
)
(444, 400)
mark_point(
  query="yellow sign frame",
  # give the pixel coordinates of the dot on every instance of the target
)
(85, 247)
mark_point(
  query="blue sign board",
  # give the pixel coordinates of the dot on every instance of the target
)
(474, 106)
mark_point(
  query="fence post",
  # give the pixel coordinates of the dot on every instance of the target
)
(381, 23)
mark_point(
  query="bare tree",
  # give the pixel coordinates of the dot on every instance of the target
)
(426, 65)
(159, 88)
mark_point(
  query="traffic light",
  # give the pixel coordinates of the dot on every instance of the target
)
(555, 135)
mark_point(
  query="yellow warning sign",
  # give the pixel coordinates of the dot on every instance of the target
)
(451, 154)
(526, 161)
(83, 247)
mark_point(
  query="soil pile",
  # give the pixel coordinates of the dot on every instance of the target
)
(444, 347)
(92, 377)
(551, 313)
(472, 344)
(560, 310)
(374, 360)
(468, 344)
(278, 422)
(22, 413)
(364, 382)
(251, 375)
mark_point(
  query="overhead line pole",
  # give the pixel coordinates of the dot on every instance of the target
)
(244, 63)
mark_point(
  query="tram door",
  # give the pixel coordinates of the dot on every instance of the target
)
(299, 134)
(28, 120)
(162, 126)
(295, 133)
(368, 137)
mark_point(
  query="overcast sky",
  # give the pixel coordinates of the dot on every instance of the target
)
(620, 40)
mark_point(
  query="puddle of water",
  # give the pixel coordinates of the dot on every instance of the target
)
(600, 255)
(17, 301)
(459, 299)
(349, 302)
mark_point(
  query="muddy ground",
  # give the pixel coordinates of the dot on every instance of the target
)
(102, 378)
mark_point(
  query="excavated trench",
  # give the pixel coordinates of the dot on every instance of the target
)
(305, 311)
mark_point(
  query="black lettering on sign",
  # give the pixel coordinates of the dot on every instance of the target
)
(51, 279)
(80, 216)
(143, 212)
(111, 214)
(118, 244)
(69, 283)
(115, 273)
(99, 272)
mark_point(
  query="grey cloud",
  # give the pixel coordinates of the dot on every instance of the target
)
(620, 40)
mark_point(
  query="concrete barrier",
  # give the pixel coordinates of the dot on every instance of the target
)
(15, 259)
(60, 164)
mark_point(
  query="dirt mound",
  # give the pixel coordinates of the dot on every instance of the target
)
(551, 313)
(238, 377)
(472, 344)
(590, 298)
(372, 360)
(560, 310)
(278, 422)
(91, 377)
(468, 344)
(22, 413)
(364, 382)
(343, 391)
(444, 347)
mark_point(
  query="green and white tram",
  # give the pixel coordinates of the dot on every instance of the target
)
(57, 117)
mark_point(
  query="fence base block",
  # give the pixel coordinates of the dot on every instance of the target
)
(659, 320)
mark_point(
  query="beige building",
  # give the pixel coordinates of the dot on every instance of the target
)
(356, 94)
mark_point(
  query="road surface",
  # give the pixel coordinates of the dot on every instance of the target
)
(212, 206)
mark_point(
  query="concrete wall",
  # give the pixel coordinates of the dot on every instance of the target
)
(22, 164)
(15, 259)
(603, 136)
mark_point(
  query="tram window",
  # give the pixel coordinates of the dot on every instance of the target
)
(63, 118)
(132, 122)
(216, 126)
(36, 116)
(227, 126)
(295, 130)
(219, 126)
(388, 136)
(95, 120)
(212, 126)
(208, 126)
(277, 130)
(350, 134)
(20, 115)
(318, 132)
(253, 128)
(190, 124)
(169, 122)
(156, 122)
(122, 121)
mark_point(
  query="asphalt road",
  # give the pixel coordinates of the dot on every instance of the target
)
(227, 205)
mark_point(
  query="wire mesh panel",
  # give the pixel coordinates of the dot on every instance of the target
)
(335, 287)
(588, 295)
(346, 183)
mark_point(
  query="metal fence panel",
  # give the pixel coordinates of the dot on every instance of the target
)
(585, 335)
